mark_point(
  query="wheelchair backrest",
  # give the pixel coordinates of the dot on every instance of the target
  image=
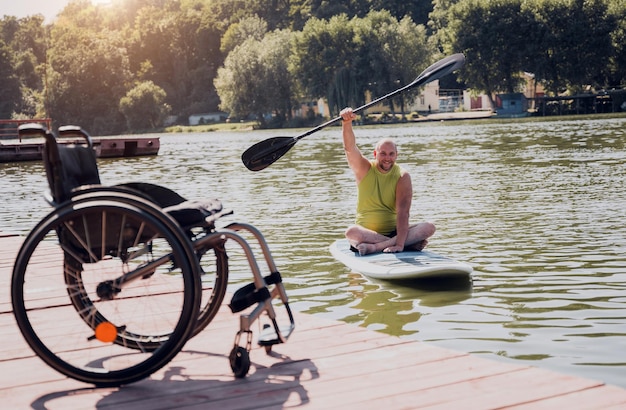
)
(70, 160)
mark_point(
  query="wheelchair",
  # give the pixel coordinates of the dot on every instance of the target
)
(109, 286)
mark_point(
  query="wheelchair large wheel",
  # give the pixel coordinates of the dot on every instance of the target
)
(213, 264)
(106, 291)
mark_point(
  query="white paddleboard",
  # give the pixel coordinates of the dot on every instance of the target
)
(397, 266)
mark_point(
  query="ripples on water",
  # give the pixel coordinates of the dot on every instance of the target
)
(537, 207)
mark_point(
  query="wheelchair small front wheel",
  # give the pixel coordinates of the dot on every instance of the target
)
(239, 361)
(104, 290)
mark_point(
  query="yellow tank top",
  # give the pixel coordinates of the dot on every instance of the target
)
(376, 200)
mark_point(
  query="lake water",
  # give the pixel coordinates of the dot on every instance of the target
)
(537, 207)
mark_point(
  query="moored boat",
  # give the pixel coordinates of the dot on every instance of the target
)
(106, 147)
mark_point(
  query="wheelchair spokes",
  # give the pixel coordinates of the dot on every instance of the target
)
(149, 302)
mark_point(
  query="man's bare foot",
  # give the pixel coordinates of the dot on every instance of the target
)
(366, 248)
(418, 246)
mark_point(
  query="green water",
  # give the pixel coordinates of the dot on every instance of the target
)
(537, 207)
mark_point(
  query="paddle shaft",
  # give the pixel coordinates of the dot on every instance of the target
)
(423, 78)
(359, 109)
(264, 153)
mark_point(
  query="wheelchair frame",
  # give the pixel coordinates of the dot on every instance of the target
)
(121, 251)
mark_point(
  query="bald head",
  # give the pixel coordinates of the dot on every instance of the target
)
(385, 154)
(388, 143)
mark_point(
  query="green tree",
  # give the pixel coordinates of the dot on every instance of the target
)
(237, 83)
(26, 40)
(417, 11)
(91, 55)
(487, 33)
(341, 59)
(181, 45)
(293, 14)
(326, 9)
(438, 23)
(395, 51)
(88, 75)
(326, 62)
(276, 77)
(144, 106)
(574, 43)
(199, 41)
(9, 83)
(249, 27)
(255, 79)
(618, 37)
(302, 10)
(275, 12)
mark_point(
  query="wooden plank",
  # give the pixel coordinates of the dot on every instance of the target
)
(494, 391)
(324, 364)
(606, 397)
(9, 246)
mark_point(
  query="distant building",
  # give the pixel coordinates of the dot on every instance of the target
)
(318, 107)
(428, 98)
(511, 105)
(475, 102)
(450, 100)
(198, 119)
(426, 101)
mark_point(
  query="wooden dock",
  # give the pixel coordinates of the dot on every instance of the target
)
(105, 147)
(325, 364)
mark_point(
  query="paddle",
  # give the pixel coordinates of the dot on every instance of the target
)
(264, 153)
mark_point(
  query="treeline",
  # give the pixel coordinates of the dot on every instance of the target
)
(130, 65)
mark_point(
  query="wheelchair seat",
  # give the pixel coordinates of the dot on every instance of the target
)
(71, 168)
(188, 213)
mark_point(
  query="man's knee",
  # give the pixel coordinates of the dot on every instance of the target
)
(425, 229)
(429, 228)
(352, 231)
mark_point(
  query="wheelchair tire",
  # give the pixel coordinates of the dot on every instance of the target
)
(212, 263)
(214, 282)
(105, 289)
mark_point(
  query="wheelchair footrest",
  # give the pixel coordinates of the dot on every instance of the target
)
(269, 337)
(249, 294)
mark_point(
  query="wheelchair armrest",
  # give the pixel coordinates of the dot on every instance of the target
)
(197, 213)
(224, 212)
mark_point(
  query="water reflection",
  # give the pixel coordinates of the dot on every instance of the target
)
(537, 207)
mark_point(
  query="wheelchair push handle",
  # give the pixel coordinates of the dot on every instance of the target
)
(66, 131)
(32, 129)
(74, 131)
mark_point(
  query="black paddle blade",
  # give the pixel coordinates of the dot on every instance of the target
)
(264, 153)
(440, 69)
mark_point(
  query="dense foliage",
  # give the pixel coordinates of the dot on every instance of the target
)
(130, 65)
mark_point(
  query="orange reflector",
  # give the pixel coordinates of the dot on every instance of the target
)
(106, 332)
